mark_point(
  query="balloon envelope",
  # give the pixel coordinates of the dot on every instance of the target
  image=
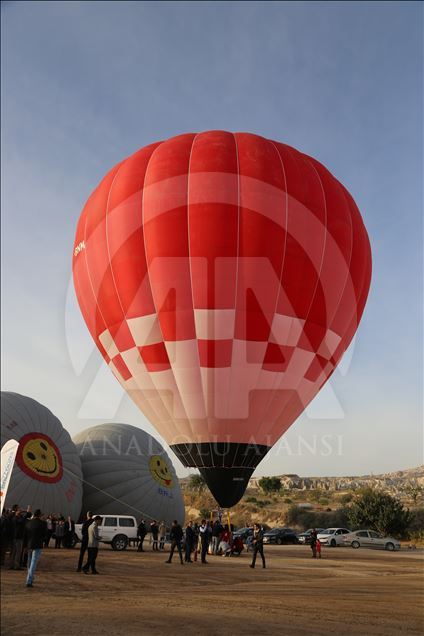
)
(222, 277)
(47, 471)
(127, 472)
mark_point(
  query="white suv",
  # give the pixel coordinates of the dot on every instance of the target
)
(116, 530)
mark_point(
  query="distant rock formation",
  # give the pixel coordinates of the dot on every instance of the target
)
(395, 483)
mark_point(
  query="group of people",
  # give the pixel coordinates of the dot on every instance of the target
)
(157, 535)
(315, 545)
(13, 520)
(23, 534)
(211, 538)
(90, 539)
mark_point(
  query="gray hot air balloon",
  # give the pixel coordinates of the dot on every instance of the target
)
(126, 471)
(47, 472)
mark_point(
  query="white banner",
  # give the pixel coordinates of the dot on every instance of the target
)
(8, 454)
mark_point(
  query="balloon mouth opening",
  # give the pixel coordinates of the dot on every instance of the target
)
(225, 466)
(227, 485)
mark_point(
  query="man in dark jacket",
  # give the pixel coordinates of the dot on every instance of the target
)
(6, 533)
(258, 544)
(190, 539)
(18, 530)
(204, 539)
(68, 539)
(154, 529)
(35, 533)
(84, 539)
(314, 539)
(217, 531)
(176, 536)
(141, 533)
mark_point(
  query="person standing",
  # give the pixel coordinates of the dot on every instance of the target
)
(18, 528)
(314, 539)
(69, 533)
(93, 545)
(204, 539)
(141, 533)
(49, 532)
(217, 531)
(190, 539)
(35, 534)
(258, 545)
(59, 532)
(84, 539)
(196, 530)
(162, 535)
(176, 536)
(6, 533)
(154, 529)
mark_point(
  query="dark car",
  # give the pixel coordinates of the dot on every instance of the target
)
(305, 537)
(281, 536)
(243, 533)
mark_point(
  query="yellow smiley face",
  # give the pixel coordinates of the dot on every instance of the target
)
(39, 457)
(160, 471)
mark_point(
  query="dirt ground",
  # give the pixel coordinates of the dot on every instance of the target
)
(349, 592)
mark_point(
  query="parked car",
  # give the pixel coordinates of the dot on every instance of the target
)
(280, 536)
(305, 537)
(370, 539)
(333, 536)
(243, 533)
(115, 530)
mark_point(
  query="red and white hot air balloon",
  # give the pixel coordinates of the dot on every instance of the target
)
(222, 277)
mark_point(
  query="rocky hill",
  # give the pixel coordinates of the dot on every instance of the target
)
(394, 483)
(317, 494)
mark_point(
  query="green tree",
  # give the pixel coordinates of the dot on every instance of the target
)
(378, 511)
(270, 484)
(197, 483)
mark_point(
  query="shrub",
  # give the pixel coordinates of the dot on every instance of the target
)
(417, 536)
(379, 511)
(416, 522)
(196, 483)
(307, 519)
(264, 503)
(270, 484)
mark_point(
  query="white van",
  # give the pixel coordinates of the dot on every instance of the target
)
(116, 530)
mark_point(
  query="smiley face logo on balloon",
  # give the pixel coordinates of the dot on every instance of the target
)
(160, 471)
(39, 458)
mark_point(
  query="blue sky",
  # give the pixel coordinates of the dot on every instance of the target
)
(86, 84)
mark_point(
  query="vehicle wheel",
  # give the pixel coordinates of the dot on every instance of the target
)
(119, 542)
(355, 544)
(279, 541)
(333, 543)
(390, 547)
